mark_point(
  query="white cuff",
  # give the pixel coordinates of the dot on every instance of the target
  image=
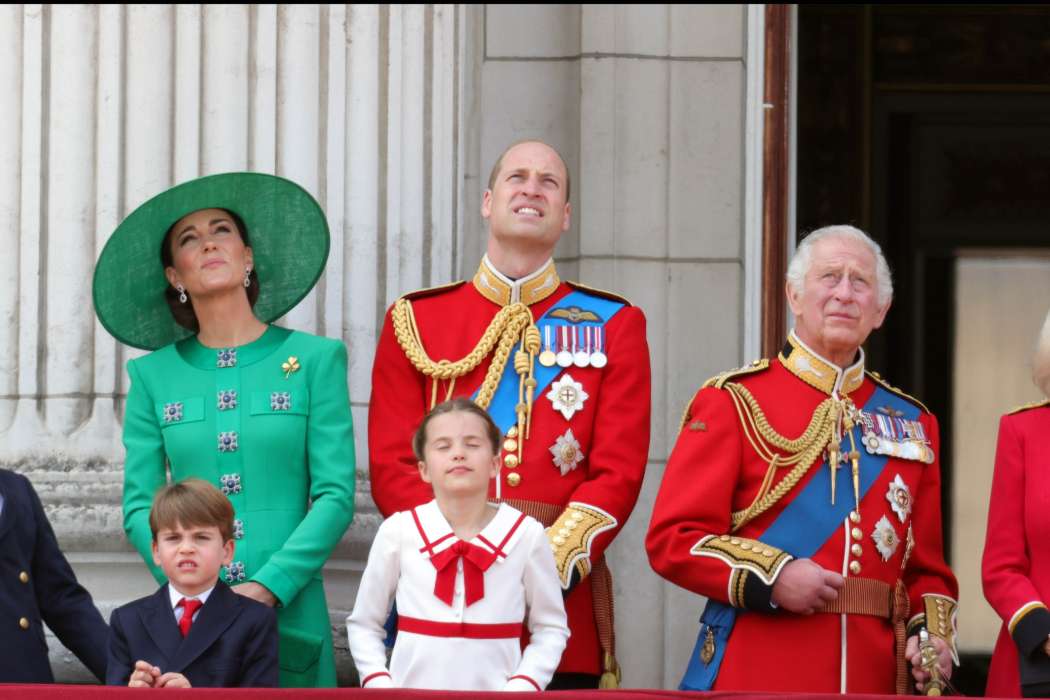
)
(519, 684)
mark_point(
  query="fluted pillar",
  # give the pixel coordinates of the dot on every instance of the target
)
(107, 105)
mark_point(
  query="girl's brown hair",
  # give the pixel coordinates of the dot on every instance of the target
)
(460, 405)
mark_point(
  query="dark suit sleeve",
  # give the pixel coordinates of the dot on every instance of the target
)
(64, 604)
(118, 669)
(260, 654)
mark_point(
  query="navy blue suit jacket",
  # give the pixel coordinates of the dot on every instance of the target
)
(232, 643)
(37, 585)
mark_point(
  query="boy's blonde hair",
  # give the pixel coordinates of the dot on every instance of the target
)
(460, 405)
(191, 503)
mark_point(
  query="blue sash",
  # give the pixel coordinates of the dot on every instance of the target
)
(505, 400)
(801, 530)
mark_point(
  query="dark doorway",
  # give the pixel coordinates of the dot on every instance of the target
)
(929, 127)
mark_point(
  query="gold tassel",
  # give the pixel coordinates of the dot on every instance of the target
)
(611, 676)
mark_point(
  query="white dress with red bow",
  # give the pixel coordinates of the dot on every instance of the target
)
(461, 605)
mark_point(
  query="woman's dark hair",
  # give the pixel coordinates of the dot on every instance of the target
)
(460, 405)
(183, 313)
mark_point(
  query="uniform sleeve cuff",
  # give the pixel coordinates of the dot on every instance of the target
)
(752, 592)
(1030, 632)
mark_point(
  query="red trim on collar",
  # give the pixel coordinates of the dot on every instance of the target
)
(427, 547)
(436, 542)
(498, 549)
(468, 630)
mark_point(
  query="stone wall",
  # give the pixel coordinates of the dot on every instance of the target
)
(391, 116)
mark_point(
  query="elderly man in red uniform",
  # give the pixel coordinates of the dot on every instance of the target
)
(802, 498)
(563, 370)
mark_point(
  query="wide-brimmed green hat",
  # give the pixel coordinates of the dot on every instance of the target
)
(287, 231)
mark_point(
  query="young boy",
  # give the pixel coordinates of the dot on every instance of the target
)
(194, 631)
(464, 574)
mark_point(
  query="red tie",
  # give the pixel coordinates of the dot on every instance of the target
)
(475, 561)
(189, 607)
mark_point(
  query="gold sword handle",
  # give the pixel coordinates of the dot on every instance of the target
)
(934, 687)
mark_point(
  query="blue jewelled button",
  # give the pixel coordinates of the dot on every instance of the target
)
(228, 442)
(227, 399)
(238, 529)
(234, 573)
(280, 401)
(173, 412)
(226, 357)
(230, 484)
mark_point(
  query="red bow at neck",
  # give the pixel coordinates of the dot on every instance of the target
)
(475, 562)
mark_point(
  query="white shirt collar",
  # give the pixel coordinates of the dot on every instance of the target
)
(500, 535)
(177, 597)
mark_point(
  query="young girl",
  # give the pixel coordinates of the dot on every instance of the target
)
(464, 574)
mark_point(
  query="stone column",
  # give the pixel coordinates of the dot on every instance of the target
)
(107, 106)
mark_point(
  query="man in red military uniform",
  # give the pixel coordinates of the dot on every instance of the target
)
(562, 369)
(813, 573)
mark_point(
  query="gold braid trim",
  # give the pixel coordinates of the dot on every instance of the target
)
(506, 329)
(823, 432)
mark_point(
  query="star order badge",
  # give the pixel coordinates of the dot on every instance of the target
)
(566, 452)
(567, 395)
(886, 539)
(899, 497)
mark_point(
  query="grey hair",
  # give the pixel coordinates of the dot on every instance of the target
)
(1041, 360)
(803, 257)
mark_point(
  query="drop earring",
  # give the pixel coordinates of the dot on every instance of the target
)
(182, 293)
(247, 277)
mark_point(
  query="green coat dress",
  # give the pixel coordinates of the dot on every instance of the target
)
(279, 444)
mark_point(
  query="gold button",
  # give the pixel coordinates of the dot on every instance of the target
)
(23, 577)
(857, 534)
(577, 516)
(510, 445)
(571, 524)
(734, 542)
(724, 538)
(513, 479)
(854, 567)
(746, 547)
(512, 463)
(559, 540)
(767, 552)
(564, 532)
(856, 549)
(23, 623)
(513, 432)
(854, 517)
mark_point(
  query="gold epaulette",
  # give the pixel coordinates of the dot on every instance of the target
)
(431, 291)
(719, 380)
(598, 292)
(889, 387)
(1028, 406)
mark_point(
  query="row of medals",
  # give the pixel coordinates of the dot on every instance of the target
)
(576, 345)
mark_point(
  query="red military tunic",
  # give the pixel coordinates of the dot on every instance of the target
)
(715, 470)
(1016, 566)
(582, 473)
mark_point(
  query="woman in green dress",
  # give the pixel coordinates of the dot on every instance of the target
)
(197, 274)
